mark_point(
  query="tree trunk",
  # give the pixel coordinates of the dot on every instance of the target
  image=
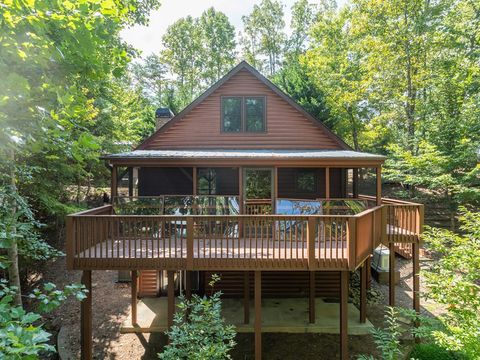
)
(12, 253)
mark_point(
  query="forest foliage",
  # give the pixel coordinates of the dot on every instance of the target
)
(396, 77)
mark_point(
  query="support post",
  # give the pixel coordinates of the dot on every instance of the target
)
(113, 184)
(241, 200)
(327, 183)
(311, 222)
(258, 315)
(391, 275)
(134, 288)
(171, 297)
(416, 277)
(355, 182)
(344, 315)
(194, 180)
(363, 292)
(311, 304)
(379, 185)
(188, 284)
(86, 342)
(190, 241)
(246, 297)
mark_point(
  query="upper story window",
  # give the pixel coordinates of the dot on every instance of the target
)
(243, 114)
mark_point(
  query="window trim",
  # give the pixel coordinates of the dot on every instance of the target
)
(315, 181)
(243, 116)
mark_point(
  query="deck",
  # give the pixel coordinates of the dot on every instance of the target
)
(101, 239)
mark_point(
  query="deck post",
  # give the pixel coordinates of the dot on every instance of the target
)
(134, 286)
(355, 182)
(113, 184)
(327, 183)
(171, 297)
(188, 284)
(311, 222)
(190, 241)
(416, 277)
(363, 292)
(258, 315)
(86, 342)
(391, 275)
(311, 303)
(344, 315)
(246, 297)
(379, 185)
(241, 206)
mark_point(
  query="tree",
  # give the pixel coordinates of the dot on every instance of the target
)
(183, 56)
(335, 65)
(218, 40)
(59, 59)
(453, 282)
(264, 35)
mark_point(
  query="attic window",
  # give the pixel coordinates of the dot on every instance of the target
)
(243, 114)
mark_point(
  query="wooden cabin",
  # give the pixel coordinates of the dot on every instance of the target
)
(245, 183)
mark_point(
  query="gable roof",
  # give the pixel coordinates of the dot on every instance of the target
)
(243, 65)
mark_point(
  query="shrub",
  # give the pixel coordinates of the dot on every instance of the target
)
(432, 352)
(199, 331)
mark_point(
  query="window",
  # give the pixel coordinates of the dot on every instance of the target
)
(243, 114)
(255, 114)
(232, 114)
(305, 181)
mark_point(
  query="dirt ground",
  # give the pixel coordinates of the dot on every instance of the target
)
(111, 304)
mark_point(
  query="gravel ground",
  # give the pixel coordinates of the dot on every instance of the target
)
(111, 303)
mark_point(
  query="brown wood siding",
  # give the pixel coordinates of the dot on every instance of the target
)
(278, 283)
(286, 127)
(148, 283)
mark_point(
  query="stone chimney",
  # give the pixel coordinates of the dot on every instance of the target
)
(162, 116)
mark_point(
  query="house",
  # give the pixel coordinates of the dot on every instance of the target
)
(245, 183)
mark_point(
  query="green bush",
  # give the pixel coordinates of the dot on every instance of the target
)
(199, 331)
(432, 352)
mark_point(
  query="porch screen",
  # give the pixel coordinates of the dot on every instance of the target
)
(217, 181)
(154, 181)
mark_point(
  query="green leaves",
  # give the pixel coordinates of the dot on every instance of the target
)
(20, 335)
(199, 331)
(453, 282)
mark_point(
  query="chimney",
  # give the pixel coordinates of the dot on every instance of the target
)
(162, 116)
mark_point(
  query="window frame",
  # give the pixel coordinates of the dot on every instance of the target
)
(243, 114)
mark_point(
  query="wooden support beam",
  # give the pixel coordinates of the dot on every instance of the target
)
(171, 297)
(355, 183)
(241, 205)
(311, 304)
(134, 288)
(379, 185)
(86, 341)
(188, 284)
(391, 275)
(275, 190)
(258, 315)
(194, 180)
(113, 183)
(363, 292)
(246, 297)
(344, 315)
(327, 183)
(416, 277)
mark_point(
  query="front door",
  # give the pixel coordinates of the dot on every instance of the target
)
(258, 190)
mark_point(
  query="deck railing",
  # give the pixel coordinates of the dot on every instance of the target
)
(100, 239)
